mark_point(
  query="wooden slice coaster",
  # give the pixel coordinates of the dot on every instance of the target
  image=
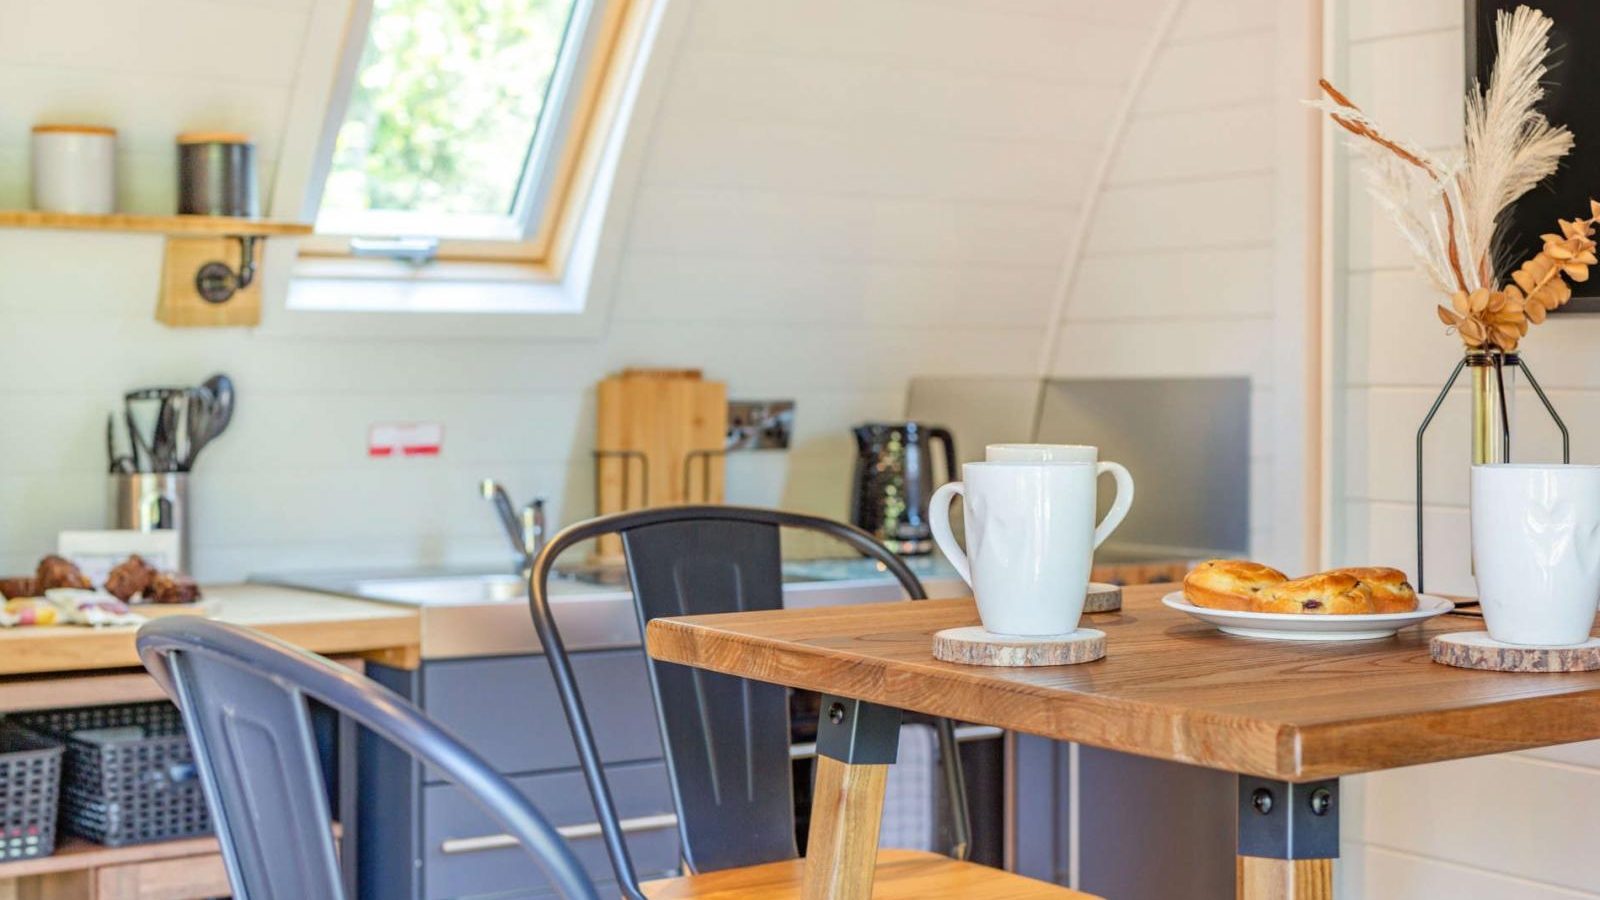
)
(1102, 598)
(1476, 650)
(972, 646)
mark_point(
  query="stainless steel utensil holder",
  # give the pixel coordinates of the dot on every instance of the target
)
(153, 501)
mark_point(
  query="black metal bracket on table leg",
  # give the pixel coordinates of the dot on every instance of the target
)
(857, 732)
(1280, 820)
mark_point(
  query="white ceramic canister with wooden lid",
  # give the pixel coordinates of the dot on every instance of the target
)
(74, 168)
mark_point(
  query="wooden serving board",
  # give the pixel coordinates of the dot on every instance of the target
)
(671, 418)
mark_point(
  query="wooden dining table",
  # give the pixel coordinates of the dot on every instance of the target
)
(1288, 718)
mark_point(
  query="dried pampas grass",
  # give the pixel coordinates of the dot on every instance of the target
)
(1450, 212)
(1510, 145)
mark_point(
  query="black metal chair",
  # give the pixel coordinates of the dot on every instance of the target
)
(244, 700)
(726, 739)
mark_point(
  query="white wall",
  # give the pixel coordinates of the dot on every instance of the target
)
(834, 196)
(1176, 276)
(1503, 826)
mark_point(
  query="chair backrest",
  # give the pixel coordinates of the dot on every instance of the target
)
(243, 696)
(726, 739)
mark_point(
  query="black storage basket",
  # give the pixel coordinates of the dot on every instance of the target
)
(128, 791)
(30, 783)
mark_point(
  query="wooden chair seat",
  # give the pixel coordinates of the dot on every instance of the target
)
(900, 875)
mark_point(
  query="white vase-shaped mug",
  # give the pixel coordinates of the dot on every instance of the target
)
(1031, 537)
(1536, 551)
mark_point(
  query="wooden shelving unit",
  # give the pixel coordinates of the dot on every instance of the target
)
(181, 869)
(208, 270)
(73, 854)
(176, 226)
(184, 869)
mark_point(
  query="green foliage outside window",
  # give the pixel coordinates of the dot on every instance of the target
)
(447, 98)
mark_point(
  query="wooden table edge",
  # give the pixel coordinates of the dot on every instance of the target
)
(1290, 752)
(675, 641)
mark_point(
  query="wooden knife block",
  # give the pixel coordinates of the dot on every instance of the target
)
(650, 424)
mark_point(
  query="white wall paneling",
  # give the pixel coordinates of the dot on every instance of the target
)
(1182, 269)
(822, 201)
(1511, 821)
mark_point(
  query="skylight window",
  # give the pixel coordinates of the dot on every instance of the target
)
(461, 126)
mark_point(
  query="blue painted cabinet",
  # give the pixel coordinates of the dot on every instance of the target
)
(422, 838)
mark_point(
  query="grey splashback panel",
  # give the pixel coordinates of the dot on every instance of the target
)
(977, 411)
(1185, 440)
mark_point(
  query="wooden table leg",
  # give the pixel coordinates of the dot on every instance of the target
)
(1285, 879)
(856, 743)
(846, 809)
(1288, 839)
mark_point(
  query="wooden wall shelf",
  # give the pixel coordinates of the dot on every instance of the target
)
(208, 271)
(182, 226)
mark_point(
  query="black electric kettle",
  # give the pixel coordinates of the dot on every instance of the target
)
(894, 481)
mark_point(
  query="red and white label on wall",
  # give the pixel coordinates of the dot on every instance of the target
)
(405, 439)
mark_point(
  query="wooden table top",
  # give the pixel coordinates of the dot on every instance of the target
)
(321, 623)
(1170, 687)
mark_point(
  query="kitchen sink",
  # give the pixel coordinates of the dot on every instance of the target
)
(483, 611)
(466, 590)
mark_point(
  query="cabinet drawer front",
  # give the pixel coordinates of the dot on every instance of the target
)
(506, 708)
(466, 851)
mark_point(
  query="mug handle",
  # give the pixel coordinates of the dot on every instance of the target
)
(939, 523)
(1119, 506)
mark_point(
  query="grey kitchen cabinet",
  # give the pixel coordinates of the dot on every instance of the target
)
(506, 708)
(1126, 805)
(459, 862)
(421, 838)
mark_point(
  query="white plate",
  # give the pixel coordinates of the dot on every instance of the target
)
(1299, 627)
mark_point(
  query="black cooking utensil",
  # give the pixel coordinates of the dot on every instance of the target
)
(155, 449)
(210, 411)
(221, 387)
(166, 439)
(140, 450)
(202, 405)
(120, 463)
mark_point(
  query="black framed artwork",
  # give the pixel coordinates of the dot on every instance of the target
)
(1572, 98)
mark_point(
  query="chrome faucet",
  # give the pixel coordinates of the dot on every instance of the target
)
(526, 530)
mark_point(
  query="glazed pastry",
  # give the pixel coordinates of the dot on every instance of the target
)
(170, 587)
(1391, 593)
(130, 578)
(58, 572)
(1330, 593)
(22, 586)
(1229, 583)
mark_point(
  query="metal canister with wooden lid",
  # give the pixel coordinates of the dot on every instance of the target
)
(217, 175)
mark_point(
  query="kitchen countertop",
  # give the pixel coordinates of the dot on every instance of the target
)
(592, 616)
(312, 621)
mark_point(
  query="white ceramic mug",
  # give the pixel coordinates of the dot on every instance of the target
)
(1536, 551)
(1041, 453)
(1031, 537)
